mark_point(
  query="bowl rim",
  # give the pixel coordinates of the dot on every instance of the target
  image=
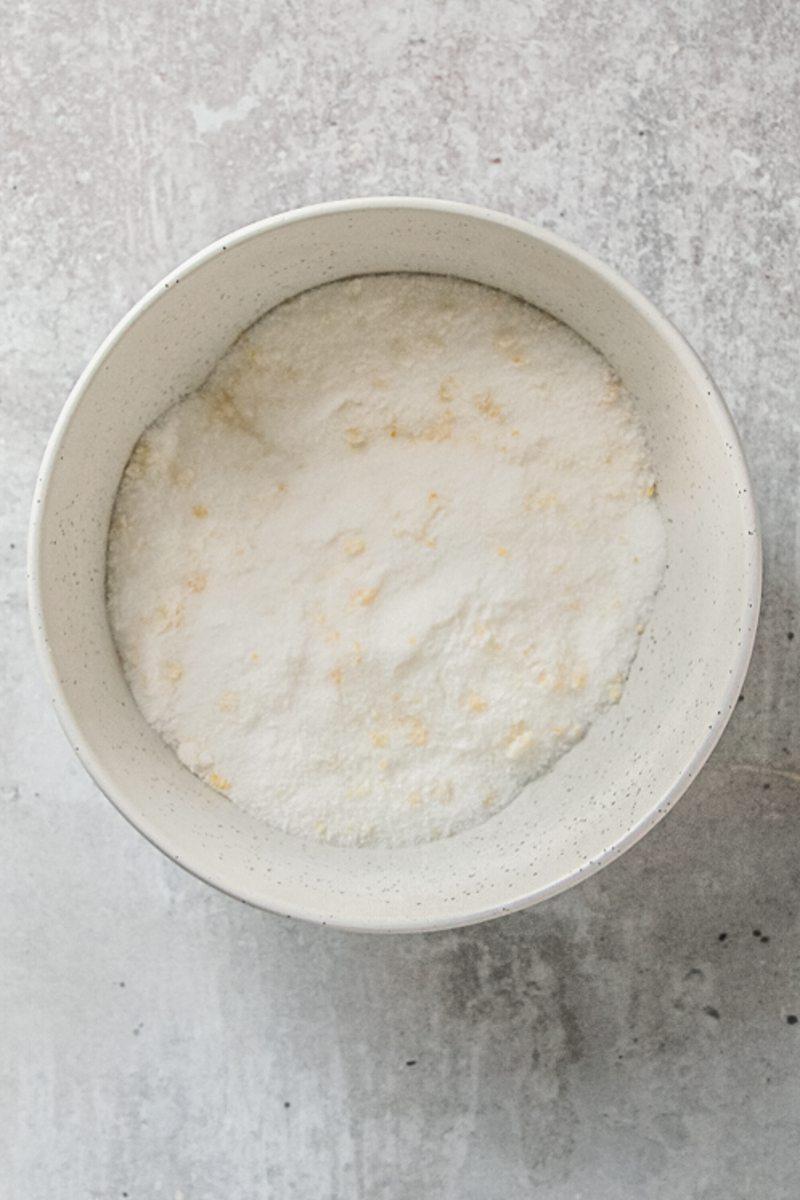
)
(751, 590)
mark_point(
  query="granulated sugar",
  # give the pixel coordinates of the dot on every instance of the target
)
(390, 562)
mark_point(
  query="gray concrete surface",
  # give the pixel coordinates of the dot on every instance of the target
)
(160, 1040)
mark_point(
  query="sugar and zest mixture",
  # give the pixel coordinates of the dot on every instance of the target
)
(389, 562)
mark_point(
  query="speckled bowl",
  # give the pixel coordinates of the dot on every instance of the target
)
(602, 796)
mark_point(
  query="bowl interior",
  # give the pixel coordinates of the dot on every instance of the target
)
(602, 795)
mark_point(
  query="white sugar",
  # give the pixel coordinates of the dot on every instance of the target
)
(389, 562)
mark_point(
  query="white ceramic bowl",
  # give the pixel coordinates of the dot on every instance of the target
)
(637, 759)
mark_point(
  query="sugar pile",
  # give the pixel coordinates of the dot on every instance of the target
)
(389, 562)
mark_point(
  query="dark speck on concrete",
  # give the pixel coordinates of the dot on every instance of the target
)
(411, 1062)
(741, 698)
(790, 636)
(791, 1019)
(722, 937)
(710, 1011)
(764, 937)
(756, 933)
(287, 1104)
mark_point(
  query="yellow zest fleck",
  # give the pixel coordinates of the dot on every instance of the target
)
(140, 461)
(254, 657)
(224, 409)
(488, 407)
(354, 545)
(169, 616)
(173, 671)
(281, 487)
(651, 490)
(487, 638)
(200, 511)
(502, 552)
(363, 597)
(447, 390)
(521, 745)
(433, 497)
(515, 731)
(414, 800)
(612, 390)
(615, 690)
(393, 432)
(197, 581)
(337, 675)
(521, 742)
(229, 702)
(518, 359)
(540, 501)
(219, 782)
(440, 430)
(489, 800)
(356, 437)
(380, 740)
(412, 641)
(640, 629)
(564, 678)
(476, 703)
(515, 433)
(417, 734)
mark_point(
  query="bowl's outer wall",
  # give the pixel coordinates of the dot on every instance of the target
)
(603, 795)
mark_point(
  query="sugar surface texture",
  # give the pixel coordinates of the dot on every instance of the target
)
(389, 562)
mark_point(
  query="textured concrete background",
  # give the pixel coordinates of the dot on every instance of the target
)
(633, 1038)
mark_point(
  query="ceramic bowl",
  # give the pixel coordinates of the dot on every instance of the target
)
(637, 758)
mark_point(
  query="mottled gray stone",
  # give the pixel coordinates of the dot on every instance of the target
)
(158, 1039)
